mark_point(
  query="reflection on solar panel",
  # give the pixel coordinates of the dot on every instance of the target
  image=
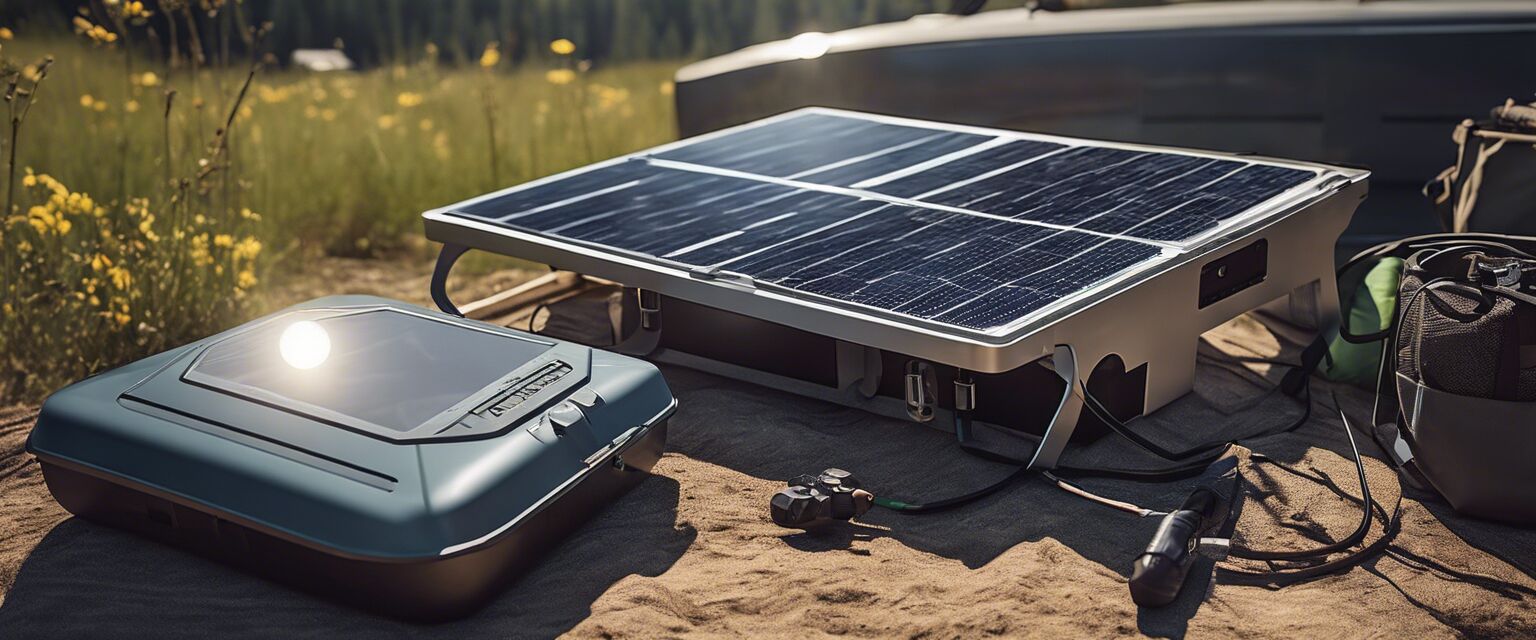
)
(969, 228)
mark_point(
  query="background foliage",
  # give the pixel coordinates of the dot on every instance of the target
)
(377, 32)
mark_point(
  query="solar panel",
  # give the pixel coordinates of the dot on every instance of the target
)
(968, 228)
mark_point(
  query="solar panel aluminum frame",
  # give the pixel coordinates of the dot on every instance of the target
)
(1147, 314)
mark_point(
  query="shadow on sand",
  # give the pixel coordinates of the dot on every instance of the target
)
(85, 579)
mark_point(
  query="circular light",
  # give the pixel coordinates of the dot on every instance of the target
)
(810, 45)
(304, 345)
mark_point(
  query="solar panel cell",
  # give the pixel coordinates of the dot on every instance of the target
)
(806, 143)
(1009, 155)
(873, 165)
(955, 268)
(834, 206)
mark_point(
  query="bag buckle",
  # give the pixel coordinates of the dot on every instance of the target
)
(1486, 269)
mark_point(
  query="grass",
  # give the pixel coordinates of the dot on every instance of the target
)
(145, 227)
(343, 162)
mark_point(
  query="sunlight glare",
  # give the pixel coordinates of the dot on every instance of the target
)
(304, 345)
(810, 45)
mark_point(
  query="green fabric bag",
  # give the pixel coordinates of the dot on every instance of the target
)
(1370, 298)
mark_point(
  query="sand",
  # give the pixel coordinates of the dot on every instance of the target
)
(691, 552)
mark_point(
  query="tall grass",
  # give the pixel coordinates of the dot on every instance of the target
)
(157, 200)
(339, 162)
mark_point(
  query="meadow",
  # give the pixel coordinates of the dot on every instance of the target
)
(138, 222)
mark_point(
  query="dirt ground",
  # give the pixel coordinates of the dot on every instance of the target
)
(691, 552)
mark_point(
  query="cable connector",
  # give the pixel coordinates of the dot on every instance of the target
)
(1214, 548)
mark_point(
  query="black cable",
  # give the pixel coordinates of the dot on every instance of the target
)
(1342, 544)
(532, 317)
(1210, 450)
(1390, 529)
(950, 503)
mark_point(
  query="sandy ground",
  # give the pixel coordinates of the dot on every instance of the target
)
(691, 551)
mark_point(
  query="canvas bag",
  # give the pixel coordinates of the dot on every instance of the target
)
(1456, 401)
(1492, 186)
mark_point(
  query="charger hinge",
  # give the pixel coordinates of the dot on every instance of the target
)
(921, 388)
(650, 309)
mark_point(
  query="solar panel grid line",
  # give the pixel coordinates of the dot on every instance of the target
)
(862, 158)
(872, 195)
(851, 271)
(816, 140)
(1111, 194)
(571, 200)
(1014, 282)
(1011, 316)
(990, 174)
(1149, 226)
(817, 231)
(624, 159)
(930, 163)
(728, 235)
(1068, 151)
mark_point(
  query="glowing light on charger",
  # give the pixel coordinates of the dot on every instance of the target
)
(304, 345)
(810, 45)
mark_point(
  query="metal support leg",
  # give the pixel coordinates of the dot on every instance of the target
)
(445, 259)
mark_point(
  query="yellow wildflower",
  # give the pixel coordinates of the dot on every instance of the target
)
(122, 318)
(100, 261)
(245, 279)
(95, 32)
(387, 121)
(224, 240)
(45, 221)
(148, 79)
(120, 277)
(272, 95)
(246, 249)
(132, 9)
(610, 97)
(562, 47)
(101, 105)
(199, 251)
(132, 106)
(6, 34)
(490, 56)
(328, 115)
(29, 180)
(86, 100)
(408, 99)
(560, 76)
